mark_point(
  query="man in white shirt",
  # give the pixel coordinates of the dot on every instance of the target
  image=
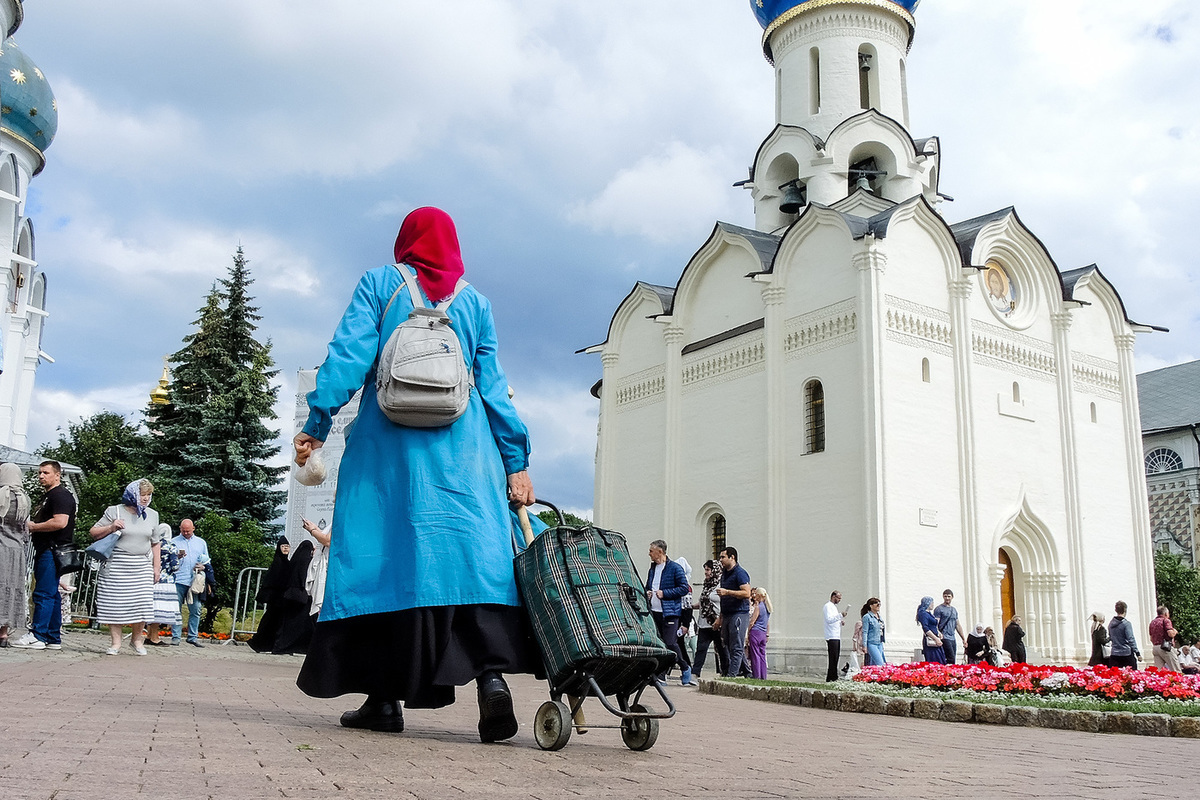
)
(835, 618)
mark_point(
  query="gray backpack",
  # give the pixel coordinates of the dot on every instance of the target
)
(422, 380)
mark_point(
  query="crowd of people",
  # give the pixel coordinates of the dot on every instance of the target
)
(145, 578)
(419, 597)
(734, 619)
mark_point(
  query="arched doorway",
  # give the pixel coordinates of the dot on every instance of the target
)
(1008, 594)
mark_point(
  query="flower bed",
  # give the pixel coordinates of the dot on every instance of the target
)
(1044, 681)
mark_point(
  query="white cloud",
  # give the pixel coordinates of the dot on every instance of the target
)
(673, 195)
(561, 421)
(87, 239)
(53, 409)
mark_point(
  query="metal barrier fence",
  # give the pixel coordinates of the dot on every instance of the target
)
(83, 598)
(245, 602)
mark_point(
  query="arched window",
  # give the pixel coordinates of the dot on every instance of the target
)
(1093, 412)
(716, 534)
(1163, 459)
(1016, 392)
(925, 370)
(814, 417)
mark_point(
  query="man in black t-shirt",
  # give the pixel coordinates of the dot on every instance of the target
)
(52, 524)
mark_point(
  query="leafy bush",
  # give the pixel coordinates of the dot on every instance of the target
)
(1178, 588)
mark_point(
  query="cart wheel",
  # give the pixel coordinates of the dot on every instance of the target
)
(639, 734)
(552, 725)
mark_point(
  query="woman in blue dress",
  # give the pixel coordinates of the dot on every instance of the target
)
(420, 595)
(931, 642)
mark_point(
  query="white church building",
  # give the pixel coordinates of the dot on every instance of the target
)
(860, 394)
(27, 127)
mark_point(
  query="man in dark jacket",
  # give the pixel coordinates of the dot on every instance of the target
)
(666, 583)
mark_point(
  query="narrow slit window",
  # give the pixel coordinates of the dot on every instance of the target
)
(1016, 392)
(1093, 412)
(814, 417)
(814, 80)
(925, 370)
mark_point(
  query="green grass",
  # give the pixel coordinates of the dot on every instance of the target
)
(1176, 708)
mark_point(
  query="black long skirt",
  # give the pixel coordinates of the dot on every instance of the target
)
(418, 655)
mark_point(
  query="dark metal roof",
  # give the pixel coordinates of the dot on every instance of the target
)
(1170, 397)
(666, 295)
(1070, 279)
(765, 244)
(756, 325)
(965, 232)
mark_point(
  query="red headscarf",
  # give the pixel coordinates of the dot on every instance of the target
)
(428, 242)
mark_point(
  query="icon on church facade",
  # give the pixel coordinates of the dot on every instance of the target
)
(1001, 291)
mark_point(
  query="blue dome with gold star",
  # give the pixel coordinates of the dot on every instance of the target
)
(29, 110)
(768, 11)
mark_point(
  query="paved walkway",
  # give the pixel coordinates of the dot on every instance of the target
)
(224, 722)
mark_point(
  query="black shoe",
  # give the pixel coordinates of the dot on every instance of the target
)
(496, 719)
(194, 643)
(376, 715)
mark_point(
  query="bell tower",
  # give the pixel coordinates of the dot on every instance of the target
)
(841, 110)
(837, 59)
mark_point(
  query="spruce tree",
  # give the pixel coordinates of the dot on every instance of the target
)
(237, 416)
(200, 367)
(213, 437)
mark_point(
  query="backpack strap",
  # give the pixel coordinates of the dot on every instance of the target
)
(410, 280)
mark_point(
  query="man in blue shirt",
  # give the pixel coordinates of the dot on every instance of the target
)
(190, 548)
(948, 626)
(735, 609)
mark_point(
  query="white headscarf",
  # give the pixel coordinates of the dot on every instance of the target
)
(687, 571)
(10, 487)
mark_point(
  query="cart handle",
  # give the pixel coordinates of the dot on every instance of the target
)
(523, 519)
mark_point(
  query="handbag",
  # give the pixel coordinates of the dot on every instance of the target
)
(1166, 643)
(67, 558)
(101, 549)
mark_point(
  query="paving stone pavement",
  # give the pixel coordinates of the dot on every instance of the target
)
(225, 722)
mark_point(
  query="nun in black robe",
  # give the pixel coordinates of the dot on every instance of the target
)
(286, 626)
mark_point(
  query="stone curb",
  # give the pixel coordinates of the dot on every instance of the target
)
(961, 711)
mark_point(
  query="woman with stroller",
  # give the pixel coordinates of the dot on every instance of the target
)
(428, 504)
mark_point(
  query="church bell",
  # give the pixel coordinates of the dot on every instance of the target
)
(793, 197)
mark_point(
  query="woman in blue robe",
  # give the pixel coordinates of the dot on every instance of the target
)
(931, 638)
(420, 595)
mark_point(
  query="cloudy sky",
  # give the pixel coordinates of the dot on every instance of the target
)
(579, 146)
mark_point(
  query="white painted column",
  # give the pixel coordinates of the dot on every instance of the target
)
(1144, 609)
(1080, 638)
(973, 563)
(672, 439)
(606, 436)
(871, 262)
(777, 549)
(996, 578)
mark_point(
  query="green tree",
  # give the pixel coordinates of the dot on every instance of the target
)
(214, 435)
(231, 551)
(1177, 586)
(551, 519)
(112, 452)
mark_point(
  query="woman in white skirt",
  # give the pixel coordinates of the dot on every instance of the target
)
(166, 598)
(125, 593)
